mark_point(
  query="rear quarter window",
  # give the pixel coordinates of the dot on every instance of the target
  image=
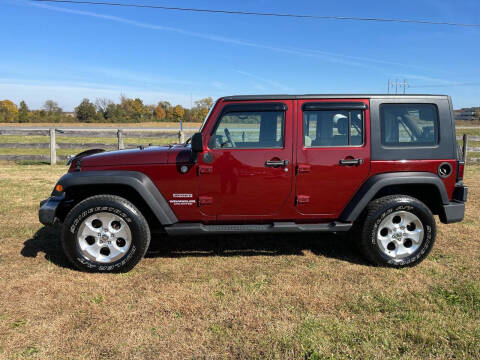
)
(409, 125)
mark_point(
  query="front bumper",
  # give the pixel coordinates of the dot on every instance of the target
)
(454, 211)
(48, 209)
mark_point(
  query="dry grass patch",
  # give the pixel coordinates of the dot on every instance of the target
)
(280, 297)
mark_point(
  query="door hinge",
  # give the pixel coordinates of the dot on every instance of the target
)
(303, 199)
(301, 169)
(205, 200)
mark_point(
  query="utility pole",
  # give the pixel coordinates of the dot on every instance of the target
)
(398, 85)
(404, 86)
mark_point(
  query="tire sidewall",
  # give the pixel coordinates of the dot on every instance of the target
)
(90, 207)
(429, 228)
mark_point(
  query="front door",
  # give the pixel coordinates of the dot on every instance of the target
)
(247, 169)
(333, 154)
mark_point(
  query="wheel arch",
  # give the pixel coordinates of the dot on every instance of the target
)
(424, 186)
(134, 186)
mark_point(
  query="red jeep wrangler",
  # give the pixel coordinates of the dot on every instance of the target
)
(380, 166)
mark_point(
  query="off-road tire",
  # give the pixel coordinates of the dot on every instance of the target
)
(378, 210)
(138, 226)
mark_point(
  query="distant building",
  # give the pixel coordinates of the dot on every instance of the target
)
(468, 114)
(69, 113)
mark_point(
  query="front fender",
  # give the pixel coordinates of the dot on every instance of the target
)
(140, 182)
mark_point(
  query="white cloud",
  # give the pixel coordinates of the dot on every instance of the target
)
(271, 83)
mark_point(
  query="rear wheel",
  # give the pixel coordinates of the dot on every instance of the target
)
(105, 233)
(398, 231)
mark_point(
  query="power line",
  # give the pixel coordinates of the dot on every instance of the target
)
(255, 13)
(475, 84)
(403, 85)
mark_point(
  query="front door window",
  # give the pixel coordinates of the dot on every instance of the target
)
(249, 130)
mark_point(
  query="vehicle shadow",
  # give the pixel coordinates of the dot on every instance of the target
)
(47, 241)
(340, 247)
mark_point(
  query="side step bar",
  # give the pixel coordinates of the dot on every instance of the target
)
(276, 227)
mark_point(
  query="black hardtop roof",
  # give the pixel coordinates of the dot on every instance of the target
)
(329, 96)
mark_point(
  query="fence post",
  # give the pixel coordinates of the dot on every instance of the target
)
(121, 146)
(53, 148)
(181, 134)
(465, 148)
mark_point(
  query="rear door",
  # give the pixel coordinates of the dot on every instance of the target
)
(247, 170)
(333, 154)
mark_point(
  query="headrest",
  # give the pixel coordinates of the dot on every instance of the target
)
(342, 125)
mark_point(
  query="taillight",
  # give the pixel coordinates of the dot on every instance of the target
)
(460, 169)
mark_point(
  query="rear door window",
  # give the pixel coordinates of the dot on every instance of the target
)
(325, 128)
(407, 125)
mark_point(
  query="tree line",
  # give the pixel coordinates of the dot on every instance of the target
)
(104, 110)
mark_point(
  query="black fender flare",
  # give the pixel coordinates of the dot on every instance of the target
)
(377, 182)
(140, 182)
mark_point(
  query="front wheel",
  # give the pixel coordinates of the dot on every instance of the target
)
(398, 231)
(105, 233)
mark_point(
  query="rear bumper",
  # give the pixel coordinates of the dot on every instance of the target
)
(455, 210)
(48, 209)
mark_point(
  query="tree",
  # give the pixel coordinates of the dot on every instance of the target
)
(24, 113)
(115, 113)
(201, 109)
(187, 116)
(52, 107)
(135, 109)
(160, 113)
(204, 103)
(178, 113)
(102, 105)
(86, 111)
(165, 105)
(8, 111)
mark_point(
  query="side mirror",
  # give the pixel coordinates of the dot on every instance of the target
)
(197, 143)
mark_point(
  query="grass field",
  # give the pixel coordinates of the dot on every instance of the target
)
(271, 297)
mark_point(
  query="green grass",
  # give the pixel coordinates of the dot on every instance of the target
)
(473, 132)
(473, 154)
(81, 140)
(73, 140)
(470, 143)
(97, 299)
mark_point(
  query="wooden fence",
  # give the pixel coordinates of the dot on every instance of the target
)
(121, 136)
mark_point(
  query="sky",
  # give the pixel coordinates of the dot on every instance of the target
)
(68, 52)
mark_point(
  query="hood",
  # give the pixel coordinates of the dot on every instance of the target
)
(139, 156)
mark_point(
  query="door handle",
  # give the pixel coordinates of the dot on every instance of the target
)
(276, 163)
(351, 162)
